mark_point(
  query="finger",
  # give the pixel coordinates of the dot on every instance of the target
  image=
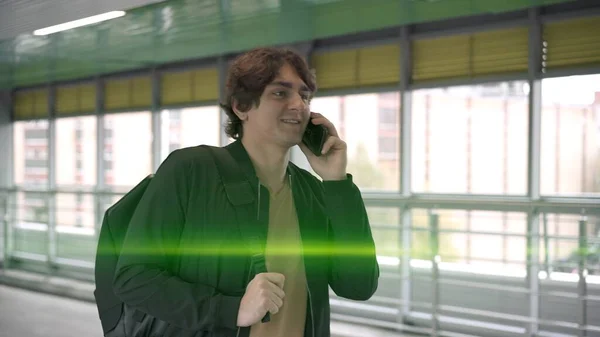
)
(318, 119)
(277, 300)
(278, 279)
(330, 143)
(278, 292)
(272, 307)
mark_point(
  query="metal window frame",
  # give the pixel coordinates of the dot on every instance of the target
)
(405, 200)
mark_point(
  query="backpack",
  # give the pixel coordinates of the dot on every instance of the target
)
(114, 228)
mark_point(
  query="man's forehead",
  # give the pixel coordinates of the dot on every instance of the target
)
(289, 77)
(290, 84)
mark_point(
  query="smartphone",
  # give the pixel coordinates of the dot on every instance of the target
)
(314, 137)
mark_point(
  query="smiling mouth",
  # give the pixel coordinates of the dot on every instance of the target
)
(290, 121)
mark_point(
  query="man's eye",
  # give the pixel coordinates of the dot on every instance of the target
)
(280, 93)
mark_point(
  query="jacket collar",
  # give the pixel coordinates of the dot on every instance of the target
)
(239, 153)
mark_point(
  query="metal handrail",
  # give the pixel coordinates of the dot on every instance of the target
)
(512, 203)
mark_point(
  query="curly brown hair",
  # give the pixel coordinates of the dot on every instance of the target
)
(248, 76)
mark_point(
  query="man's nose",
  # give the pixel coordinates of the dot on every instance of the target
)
(297, 103)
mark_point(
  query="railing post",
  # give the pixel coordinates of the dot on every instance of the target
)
(5, 231)
(435, 272)
(582, 271)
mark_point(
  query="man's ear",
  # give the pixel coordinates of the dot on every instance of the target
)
(239, 110)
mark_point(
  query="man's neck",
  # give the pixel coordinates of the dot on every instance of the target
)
(270, 162)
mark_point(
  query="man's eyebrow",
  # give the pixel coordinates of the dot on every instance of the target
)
(290, 85)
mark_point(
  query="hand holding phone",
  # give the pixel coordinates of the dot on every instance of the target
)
(323, 136)
(314, 137)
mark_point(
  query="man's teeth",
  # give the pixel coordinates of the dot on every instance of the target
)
(291, 121)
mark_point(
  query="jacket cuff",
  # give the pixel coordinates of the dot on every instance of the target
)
(335, 185)
(229, 307)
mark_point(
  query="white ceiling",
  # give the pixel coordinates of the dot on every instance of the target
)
(24, 16)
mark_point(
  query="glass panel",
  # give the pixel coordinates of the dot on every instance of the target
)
(470, 139)
(386, 230)
(75, 210)
(189, 127)
(570, 144)
(420, 243)
(31, 152)
(369, 124)
(32, 208)
(559, 258)
(487, 241)
(31, 223)
(559, 244)
(127, 148)
(75, 226)
(76, 151)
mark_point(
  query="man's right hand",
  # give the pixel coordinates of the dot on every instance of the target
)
(263, 294)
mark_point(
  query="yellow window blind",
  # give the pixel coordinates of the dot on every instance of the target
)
(191, 86)
(572, 43)
(72, 99)
(501, 51)
(128, 93)
(359, 67)
(471, 55)
(31, 104)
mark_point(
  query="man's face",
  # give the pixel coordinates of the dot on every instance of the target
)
(283, 112)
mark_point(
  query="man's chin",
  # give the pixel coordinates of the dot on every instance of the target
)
(291, 142)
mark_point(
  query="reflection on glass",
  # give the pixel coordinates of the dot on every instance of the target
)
(127, 148)
(369, 124)
(189, 127)
(31, 152)
(470, 139)
(570, 144)
(76, 151)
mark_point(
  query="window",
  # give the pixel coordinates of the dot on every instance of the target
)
(484, 240)
(372, 161)
(388, 116)
(386, 231)
(76, 151)
(559, 242)
(74, 210)
(470, 139)
(32, 208)
(130, 148)
(570, 137)
(30, 152)
(189, 127)
(388, 147)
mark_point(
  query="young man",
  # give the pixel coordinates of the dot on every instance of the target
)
(183, 269)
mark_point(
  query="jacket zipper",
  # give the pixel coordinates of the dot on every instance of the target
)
(312, 316)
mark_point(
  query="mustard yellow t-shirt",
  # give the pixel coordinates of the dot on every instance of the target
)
(284, 255)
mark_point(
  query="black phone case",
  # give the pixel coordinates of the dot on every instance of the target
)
(314, 138)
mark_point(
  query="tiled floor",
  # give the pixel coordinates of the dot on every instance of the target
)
(33, 314)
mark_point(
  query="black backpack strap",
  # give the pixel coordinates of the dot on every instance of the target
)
(240, 194)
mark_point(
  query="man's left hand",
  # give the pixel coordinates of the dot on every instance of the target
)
(331, 165)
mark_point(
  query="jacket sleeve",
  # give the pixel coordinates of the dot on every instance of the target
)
(144, 277)
(353, 267)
